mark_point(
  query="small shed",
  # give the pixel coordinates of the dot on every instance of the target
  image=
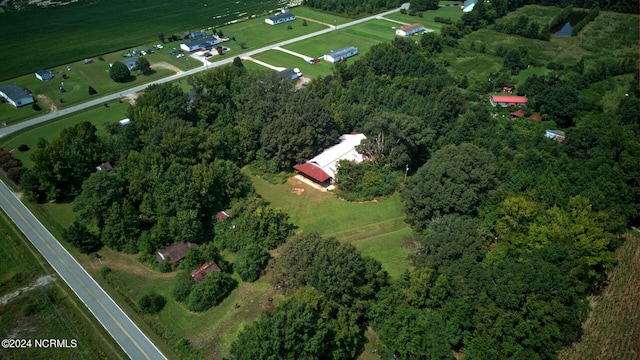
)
(222, 216)
(131, 63)
(175, 252)
(124, 122)
(199, 274)
(556, 135)
(289, 74)
(44, 75)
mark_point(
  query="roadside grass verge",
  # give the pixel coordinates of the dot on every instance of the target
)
(51, 311)
(613, 328)
(98, 115)
(375, 228)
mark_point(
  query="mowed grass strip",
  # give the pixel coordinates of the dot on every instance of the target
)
(375, 228)
(282, 59)
(319, 16)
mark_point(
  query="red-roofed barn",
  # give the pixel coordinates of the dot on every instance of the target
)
(175, 252)
(508, 100)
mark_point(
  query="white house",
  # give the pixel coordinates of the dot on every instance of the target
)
(281, 18)
(44, 75)
(324, 166)
(408, 30)
(15, 95)
(205, 43)
(340, 54)
(469, 5)
(556, 135)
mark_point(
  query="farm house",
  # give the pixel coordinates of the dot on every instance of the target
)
(508, 100)
(336, 55)
(205, 43)
(323, 167)
(15, 95)
(408, 30)
(283, 17)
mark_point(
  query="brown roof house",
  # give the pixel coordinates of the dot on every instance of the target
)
(204, 270)
(222, 216)
(175, 252)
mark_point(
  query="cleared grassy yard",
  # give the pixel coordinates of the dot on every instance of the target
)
(454, 13)
(279, 58)
(375, 228)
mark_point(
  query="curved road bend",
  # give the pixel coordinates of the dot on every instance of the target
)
(125, 332)
(22, 125)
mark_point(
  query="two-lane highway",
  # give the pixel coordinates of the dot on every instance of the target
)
(132, 340)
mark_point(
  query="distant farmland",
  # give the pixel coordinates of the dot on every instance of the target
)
(42, 38)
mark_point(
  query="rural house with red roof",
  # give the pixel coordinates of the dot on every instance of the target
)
(204, 270)
(508, 100)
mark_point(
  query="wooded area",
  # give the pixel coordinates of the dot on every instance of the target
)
(512, 230)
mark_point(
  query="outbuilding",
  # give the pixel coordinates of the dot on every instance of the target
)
(132, 63)
(508, 100)
(469, 5)
(408, 30)
(341, 54)
(323, 167)
(15, 95)
(44, 75)
(289, 74)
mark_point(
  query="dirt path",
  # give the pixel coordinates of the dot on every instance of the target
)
(276, 68)
(47, 102)
(315, 21)
(165, 65)
(303, 57)
(42, 281)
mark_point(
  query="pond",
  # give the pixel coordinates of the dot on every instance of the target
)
(566, 28)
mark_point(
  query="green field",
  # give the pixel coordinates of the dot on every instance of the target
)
(454, 13)
(324, 18)
(282, 59)
(47, 37)
(363, 36)
(375, 228)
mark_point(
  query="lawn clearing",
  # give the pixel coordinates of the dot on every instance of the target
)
(452, 12)
(375, 228)
(279, 58)
(363, 36)
(322, 17)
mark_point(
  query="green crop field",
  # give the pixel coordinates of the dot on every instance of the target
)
(46, 37)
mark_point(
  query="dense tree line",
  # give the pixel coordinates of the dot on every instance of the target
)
(353, 8)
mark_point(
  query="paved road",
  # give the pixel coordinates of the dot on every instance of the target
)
(25, 124)
(132, 340)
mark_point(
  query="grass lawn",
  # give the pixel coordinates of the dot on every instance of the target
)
(322, 17)
(455, 13)
(256, 33)
(363, 36)
(52, 311)
(99, 116)
(375, 228)
(279, 58)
